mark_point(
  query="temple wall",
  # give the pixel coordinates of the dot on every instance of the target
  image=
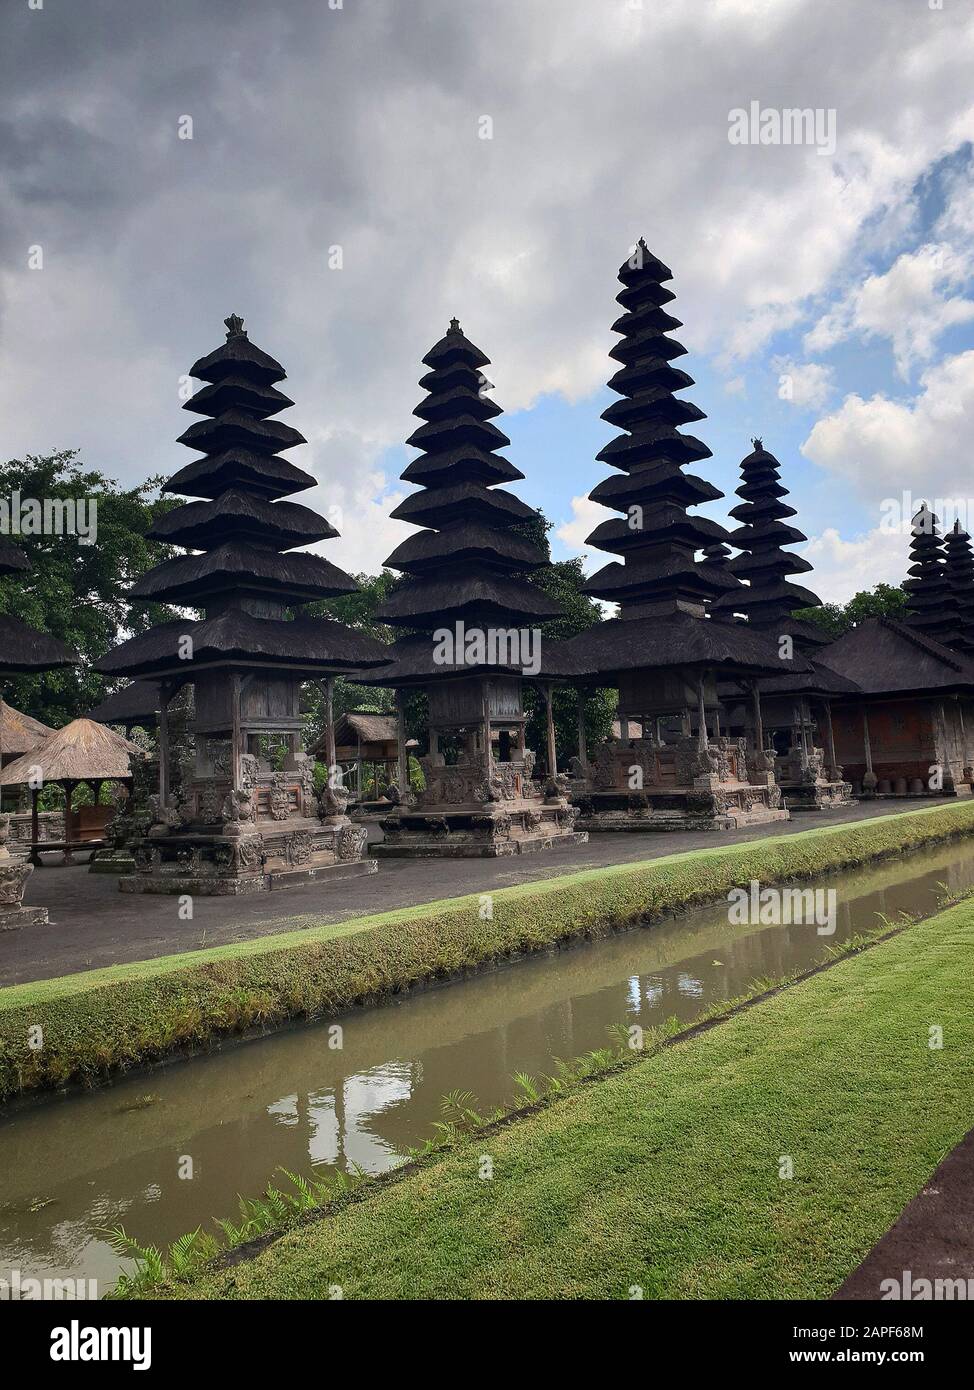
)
(908, 741)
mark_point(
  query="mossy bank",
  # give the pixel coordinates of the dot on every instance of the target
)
(84, 1026)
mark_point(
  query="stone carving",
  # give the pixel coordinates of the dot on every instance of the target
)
(279, 799)
(350, 842)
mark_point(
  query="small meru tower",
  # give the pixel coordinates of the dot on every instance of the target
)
(808, 775)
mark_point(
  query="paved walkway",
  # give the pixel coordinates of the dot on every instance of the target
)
(93, 924)
(933, 1239)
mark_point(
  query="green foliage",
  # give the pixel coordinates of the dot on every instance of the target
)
(562, 581)
(78, 592)
(835, 619)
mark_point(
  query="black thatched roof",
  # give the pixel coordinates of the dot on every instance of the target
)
(886, 657)
(769, 599)
(236, 568)
(264, 475)
(241, 533)
(656, 537)
(461, 541)
(467, 566)
(931, 599)
(437, 507)
(24, 649)
(235, 637)
(239, 516)
(680, 640)
(959, 567)
(135, 703)
(12, 558)
(432, 601)
(414, 662)
(237, 357)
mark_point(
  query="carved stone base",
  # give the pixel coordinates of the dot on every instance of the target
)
(242, 859)
(108, 861)
(817, 796)
(13, 918)
(14, 874)
(678, 809)
(490, 831)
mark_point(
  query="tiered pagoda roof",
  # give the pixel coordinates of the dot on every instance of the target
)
(770, 598)
(23, 649)
(930, 597)
(656, 537)
(959, 568)
(470, 564)
(244, 578)
(662, 589)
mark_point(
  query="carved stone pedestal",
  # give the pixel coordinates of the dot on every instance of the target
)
(470, 811)
(639, 785)
(272, 833)
(805, 783)
(14, 874)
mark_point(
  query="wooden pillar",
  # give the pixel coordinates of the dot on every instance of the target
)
(328, 689)
(869, 778)
(623, 725)
(830, 741)
(582, 741)
(35, 825)
(68, 789)
(550, 730)
(402, 763)
(488, 743)
(165, 693)
(702, 740)
(235, 749)
(756, 716)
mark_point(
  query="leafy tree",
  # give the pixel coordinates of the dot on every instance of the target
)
(358, 611)
(835, 619)
(76, 591)
(562, 581)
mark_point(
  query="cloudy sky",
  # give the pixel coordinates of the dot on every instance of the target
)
(496, 159)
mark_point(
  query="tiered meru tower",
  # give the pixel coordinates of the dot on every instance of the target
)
(959, 567)
(473, 618)
(931, 598)
(246, 815)
(662, 652)
(808, 776)
(23, 650)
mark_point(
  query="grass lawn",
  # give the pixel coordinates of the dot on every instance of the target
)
(666, 1175)
(100, 1020)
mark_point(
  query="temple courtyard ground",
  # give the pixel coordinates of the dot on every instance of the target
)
(92, 924)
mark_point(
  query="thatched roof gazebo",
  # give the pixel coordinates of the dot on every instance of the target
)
(19, 733)
(83, 751)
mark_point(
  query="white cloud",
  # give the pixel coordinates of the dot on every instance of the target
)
(844, 567)
(910, 305)
(359, 127)
(804, 384)
(880, 447)
(586, 515)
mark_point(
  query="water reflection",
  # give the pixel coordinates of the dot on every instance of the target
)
(73, 1167)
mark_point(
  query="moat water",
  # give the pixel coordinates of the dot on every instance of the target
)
(73, 1166)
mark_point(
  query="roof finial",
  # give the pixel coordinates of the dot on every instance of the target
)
(758, 444)
(235, 326)
(455, 326)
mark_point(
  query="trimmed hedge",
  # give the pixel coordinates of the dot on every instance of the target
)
(100, 1020)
